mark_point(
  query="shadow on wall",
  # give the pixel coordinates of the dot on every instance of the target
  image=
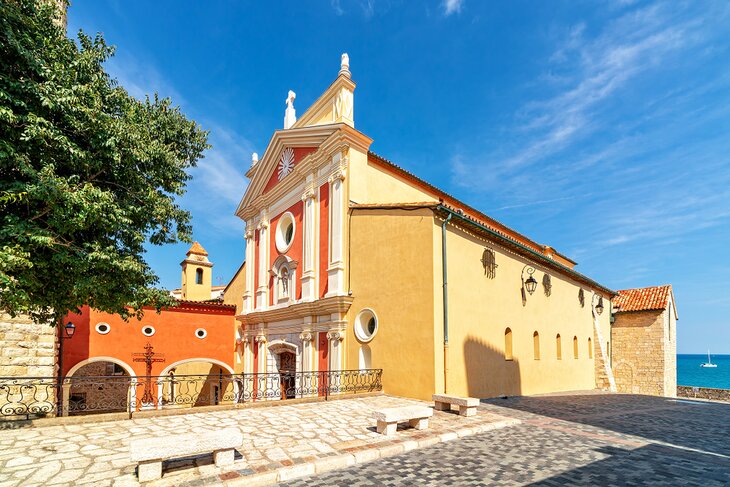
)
(489, 372)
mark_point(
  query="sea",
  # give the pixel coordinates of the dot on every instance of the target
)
(689, 372)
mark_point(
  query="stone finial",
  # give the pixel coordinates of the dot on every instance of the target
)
(290, 115)
(254, 159)
(345, 65)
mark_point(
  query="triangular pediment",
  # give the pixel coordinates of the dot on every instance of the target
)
(304, 143)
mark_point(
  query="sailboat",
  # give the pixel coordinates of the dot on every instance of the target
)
(709, 362)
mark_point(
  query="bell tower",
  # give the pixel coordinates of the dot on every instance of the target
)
(197, 274)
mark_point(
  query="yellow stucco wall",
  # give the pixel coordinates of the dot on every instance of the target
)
(233, 293)
(391, 273)
(396, 270)
(375, 185)
(190, 289)
(480, 309)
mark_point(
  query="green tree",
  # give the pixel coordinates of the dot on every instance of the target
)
(88, 173)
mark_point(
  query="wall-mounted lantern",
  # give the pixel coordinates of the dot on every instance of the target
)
(598, 303)
(529, 284)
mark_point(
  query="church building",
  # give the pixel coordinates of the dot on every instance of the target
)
(354, 263)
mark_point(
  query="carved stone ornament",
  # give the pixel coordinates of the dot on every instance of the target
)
(286, 163)
(337, 175)
(342, 105)
(260, 339)
(305, 337)
(308, 194)
(248, 235)
(262, 224)
(335, 335)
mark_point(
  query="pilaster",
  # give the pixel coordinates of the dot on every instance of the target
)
(262, 292)
(248, 293)
(336, 265)
(309, 281)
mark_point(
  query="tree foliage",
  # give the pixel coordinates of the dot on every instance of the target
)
(88, 173)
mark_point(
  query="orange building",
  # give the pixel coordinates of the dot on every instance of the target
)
(197, 339)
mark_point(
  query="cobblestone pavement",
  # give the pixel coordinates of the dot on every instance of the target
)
(596, 439)
(280, 442)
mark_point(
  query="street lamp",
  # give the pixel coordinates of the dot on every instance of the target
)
(531, 283)
(68, 332)
(598, 303)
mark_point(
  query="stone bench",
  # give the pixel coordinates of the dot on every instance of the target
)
(150, 452)
(388, 419)
(467, 405)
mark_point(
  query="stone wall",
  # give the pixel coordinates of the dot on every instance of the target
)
(704, 393)
(27, 349)
(643, 353)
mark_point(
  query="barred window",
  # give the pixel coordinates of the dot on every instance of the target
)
(547, 284)
(489, 263)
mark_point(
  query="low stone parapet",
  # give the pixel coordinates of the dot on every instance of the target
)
(704, 393)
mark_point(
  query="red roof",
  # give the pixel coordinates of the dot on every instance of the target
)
(642, 299)
(197, 249)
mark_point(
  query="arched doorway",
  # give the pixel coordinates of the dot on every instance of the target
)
(287, 365)
(98, 385)
(197, 382)
(282, 370)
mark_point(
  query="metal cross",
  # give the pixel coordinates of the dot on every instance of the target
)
(148, 357)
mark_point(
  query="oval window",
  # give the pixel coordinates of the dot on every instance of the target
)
(285, 230)
(201, 333)
(366, 325)
(103, 328)
(148, 331)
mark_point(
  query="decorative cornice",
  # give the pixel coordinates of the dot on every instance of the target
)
(324, 306)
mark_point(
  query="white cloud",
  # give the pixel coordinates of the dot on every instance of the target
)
(452, 6)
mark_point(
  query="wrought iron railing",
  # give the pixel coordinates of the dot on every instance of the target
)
(32, 397)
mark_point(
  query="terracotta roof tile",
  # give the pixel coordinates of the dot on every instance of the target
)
(197, 249)
(642, 299)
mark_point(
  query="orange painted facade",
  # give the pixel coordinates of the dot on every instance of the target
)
(299, 154)
(294, 252)
(174, 337)
(324, 206)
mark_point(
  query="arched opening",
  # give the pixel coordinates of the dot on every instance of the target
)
(198, 276)
(196, 382)
(590, 348)
(575, 347)
(365, 357)
(508, 344)
(99, 385)
(536, 345)
(281, 377)
(558, 347)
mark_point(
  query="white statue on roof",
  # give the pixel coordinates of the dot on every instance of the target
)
(290, 115)
(345, 65)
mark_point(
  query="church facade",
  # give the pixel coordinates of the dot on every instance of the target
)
(354, 263)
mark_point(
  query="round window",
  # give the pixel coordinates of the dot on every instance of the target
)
(148, 331)
(201, 333)
(366, 325)
(285, 229)
(102, 328)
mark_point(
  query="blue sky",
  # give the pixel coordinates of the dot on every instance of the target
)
(600, 128)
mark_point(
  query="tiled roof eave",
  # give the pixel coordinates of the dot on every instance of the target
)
(521, 249)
